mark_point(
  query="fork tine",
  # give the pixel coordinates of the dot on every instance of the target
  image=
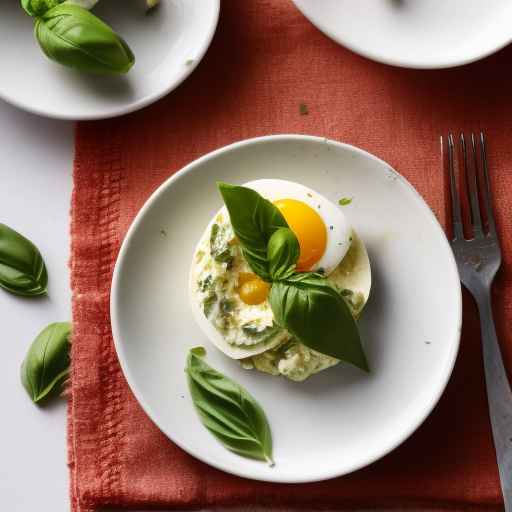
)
(472, 186)
(455, 201)
(487, 187)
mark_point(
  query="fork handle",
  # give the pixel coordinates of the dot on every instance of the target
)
(499, 397)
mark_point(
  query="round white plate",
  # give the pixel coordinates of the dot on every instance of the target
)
(168, 44)
(341, 419)
(412, 33)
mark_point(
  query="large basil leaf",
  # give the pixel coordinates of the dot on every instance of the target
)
(228, 411)
(315, 313)
(22, 269)
(283, 252)
(46, 365)
(254, 220)
(74, 37)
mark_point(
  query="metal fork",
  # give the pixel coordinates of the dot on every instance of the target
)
(478, 259)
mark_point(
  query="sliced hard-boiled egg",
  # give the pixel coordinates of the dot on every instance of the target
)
(319, 225)
(327, 242)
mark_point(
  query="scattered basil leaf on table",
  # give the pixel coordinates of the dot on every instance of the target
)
(254, 220)
(74, 37)
(46, 364)
(283, 252)
(22, 269)
(228, 411)
(315, 313)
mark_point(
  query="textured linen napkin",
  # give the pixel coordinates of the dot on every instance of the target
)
(265, 61)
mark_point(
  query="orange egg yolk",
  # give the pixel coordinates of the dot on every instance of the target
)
(309, 228)
(251, 289)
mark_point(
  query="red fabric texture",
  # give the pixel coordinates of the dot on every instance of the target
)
(265, 60)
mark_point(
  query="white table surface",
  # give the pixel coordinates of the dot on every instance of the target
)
(35, 190)
(36, 162)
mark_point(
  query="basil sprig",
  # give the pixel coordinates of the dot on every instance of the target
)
(303, 303)
(254, 220)
(313, 311)
(46, 365)
(22, 269)
(228, 411)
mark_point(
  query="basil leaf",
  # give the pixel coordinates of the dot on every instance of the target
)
(316, 314)
(228, 411)
(46, 365)
(283, 252)
(74, 37)
(39, 7)
(22, 269)
(254, 220)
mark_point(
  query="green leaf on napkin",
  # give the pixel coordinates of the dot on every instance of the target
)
(228, 411)
(46, 364)
(22, 268)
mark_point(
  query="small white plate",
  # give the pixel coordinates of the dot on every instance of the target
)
(341, 419)
(412, 33)
(168, 44)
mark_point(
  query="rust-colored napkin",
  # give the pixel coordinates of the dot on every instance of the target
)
(265, 61)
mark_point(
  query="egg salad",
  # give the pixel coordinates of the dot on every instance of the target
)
(231, 302)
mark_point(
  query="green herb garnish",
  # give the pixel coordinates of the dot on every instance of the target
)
(254, 220)
(226, 306)
(208, 303)
(283, 252)
(219, 250)
(228, 411)
(303, 303)
(46, 365)
(22, 268)
(344, 201)
(74, 37)
(205, 284)
(315, 313)
(261, 335)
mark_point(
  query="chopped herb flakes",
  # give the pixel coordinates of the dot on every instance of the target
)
(205, 284)
(345, 201)
(220, 250)
(303, 109)
(208, 303)
(226, 306)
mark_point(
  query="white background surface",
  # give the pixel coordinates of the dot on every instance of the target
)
(35, 191)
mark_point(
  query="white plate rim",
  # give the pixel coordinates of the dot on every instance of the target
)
(376, 56)
(118, 269)
(133, 107)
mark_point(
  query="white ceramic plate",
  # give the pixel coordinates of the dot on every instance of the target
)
(341, 419)
(168, 45)
(412, 33)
